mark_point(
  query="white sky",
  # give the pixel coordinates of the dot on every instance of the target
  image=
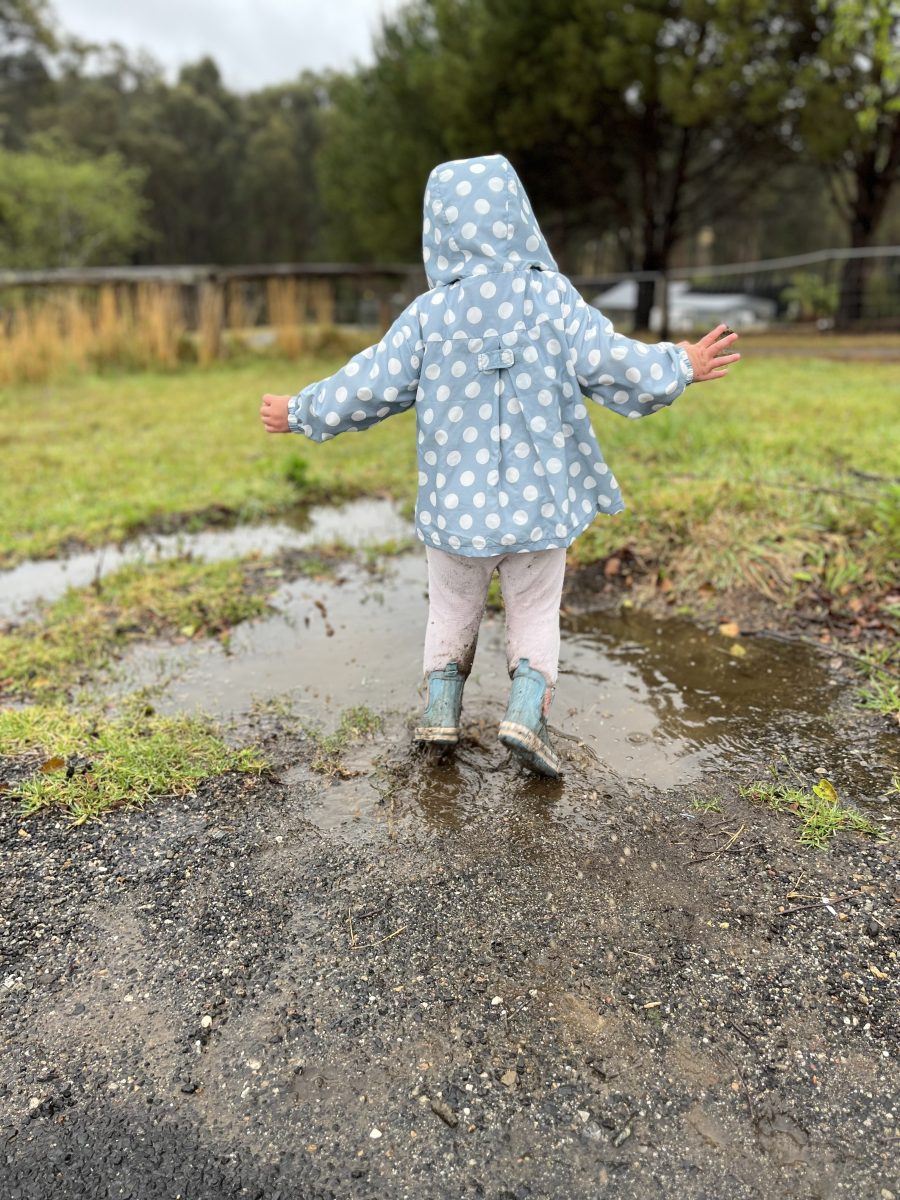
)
(254, 42)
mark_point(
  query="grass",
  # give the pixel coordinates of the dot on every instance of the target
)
(356, 723)
(91, 764)
(87, 628)
(745, 483)
(819, 810)
(706, 804)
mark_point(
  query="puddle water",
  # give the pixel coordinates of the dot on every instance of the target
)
(360, 523)
(659, 701)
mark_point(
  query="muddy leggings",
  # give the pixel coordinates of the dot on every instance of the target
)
(457, 588)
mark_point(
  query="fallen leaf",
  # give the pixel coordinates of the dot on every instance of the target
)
(53, 764)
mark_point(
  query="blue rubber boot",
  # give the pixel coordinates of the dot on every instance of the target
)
(524, 728)
(440, 721)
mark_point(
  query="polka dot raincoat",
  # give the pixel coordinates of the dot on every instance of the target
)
(497, 359)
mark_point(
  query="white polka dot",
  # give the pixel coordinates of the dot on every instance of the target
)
(359, 415)
(440, 479)
(482, 207)
(443, 392)
(440, 437)
(537, 533)
(493, 476)
(430, 457)
(455, 413)
(633, 375)
(470, 434)
(454, 541)
(432, 371)
(425, 518)
(492, 520)
(458, 368)
(423, 478)
(474, 314)
(505, 310)
(463, 188)
(518, 284)
(548, 509)
(479, 499)
(496, 184)
(523, 380)
(428, 415)
(537, 424)
(520, 516)
(561, 530)
(478, 542)
(513, 406)
(530, 492)
(487, 250)
(522, 450)
(467, 478)
(620, 397)
(545, 397)
(465, 521)
(656, 371)
(511, 474)
(554, 466)
(486, 412)
(484, 455)
(469, 230)
(500, 229)
(451, 500)
(473, 389)
(508, 539)
(488, 290)
(454, 458)
(352, 368)
(505, 431)
(532, 243)
(332, 419)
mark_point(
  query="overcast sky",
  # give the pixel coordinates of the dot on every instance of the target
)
(254, 42)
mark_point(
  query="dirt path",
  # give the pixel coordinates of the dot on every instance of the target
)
(445, 979)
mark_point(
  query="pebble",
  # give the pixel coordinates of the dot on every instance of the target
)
(376, 1133)
(206, 1021)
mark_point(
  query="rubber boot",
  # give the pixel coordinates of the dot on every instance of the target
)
(440, 721)
(524, 728)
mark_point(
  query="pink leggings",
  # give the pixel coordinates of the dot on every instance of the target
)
(532, 587)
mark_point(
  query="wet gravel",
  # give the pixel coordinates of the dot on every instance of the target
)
(512, 989)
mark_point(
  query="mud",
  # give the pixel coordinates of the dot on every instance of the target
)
(437, 976)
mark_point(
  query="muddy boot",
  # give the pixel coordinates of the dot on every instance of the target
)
(524, 728)
(440, 721)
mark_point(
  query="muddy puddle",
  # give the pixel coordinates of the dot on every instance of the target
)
(648, 701)
(357, 524)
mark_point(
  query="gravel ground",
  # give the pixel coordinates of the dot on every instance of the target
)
(444, 979)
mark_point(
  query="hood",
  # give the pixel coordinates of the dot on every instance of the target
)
(477, 218)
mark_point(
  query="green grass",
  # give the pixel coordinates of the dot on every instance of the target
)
(706, 804)
(91, 764)
(356, 723)
(87, 628)
(819, 810)
(747, 482)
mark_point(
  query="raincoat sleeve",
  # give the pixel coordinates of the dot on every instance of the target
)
(622, 374)
(376, 383)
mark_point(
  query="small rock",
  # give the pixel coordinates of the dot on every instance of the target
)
(254, 1064)
(509, 1079)
(376, 1133)
(205, 1021)
(445, 1112)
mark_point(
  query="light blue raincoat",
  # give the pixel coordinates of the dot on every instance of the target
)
(496, 358)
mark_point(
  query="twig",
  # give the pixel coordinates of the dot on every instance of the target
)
(369, 945)
(823, 902)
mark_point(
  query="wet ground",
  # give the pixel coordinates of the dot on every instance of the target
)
(424, 976)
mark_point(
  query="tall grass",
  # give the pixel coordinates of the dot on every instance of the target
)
(58, 331)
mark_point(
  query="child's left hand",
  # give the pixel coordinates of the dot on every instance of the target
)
(273, 413)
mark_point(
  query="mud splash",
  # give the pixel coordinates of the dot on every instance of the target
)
(357, 524)
(658, 702)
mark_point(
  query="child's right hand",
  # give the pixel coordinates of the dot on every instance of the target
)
(273, 412)
(706, 355)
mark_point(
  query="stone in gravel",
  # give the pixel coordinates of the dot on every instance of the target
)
(445, 1112)
(376, 1133)
(509, 1079)
(205, 1021)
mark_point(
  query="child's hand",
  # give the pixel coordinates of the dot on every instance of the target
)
(273, 413)
(706, 355)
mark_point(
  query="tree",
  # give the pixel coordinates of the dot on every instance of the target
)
(26, 39)
(59, 208)
(846, 115)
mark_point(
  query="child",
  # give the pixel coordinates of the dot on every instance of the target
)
(496, 358)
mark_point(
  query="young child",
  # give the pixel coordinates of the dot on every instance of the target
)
(496, 359)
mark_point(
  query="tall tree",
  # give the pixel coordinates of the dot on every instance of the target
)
(846, 114)
(26, 41)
